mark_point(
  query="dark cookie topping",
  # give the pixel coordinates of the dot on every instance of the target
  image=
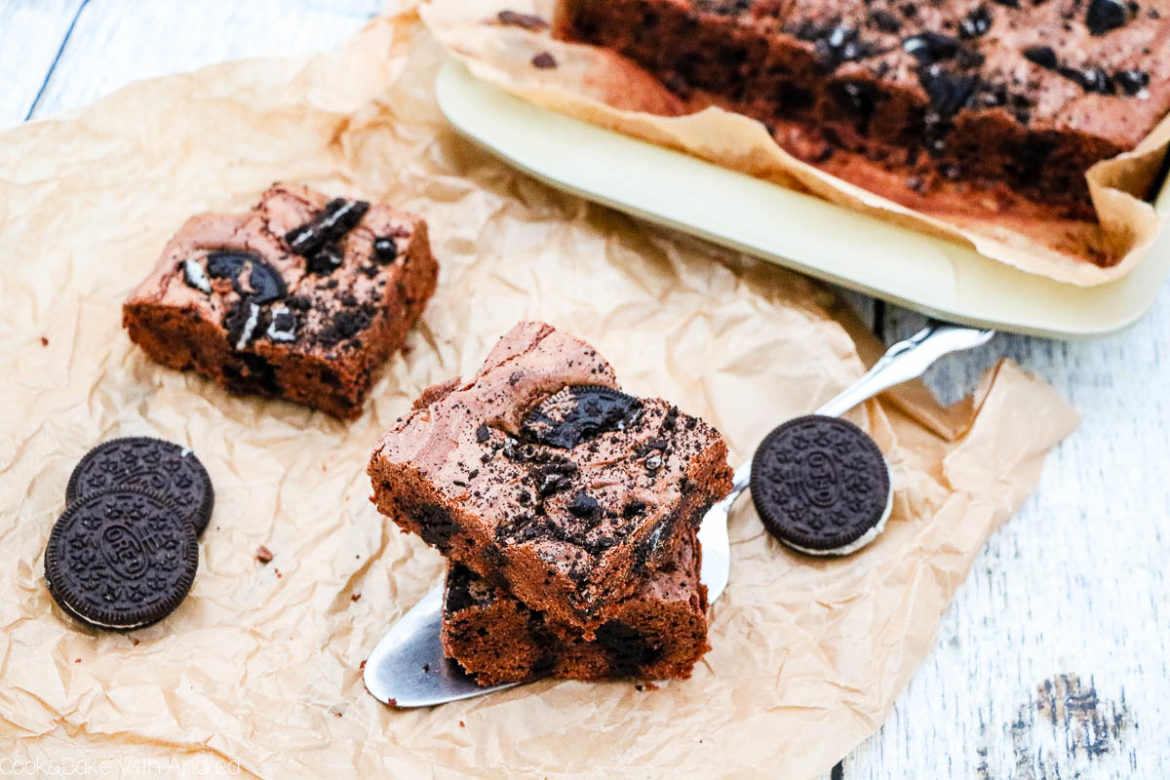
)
(1105, 15)
(578, 414)
(337, 218)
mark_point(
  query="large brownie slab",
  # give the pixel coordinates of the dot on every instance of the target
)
(658, 632)
(302, 297)
(543, 478)
(991, 97)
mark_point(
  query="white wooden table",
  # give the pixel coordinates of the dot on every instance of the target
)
(1052, 662)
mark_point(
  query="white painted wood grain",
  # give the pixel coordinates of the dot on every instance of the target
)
(118, 41)
(31, 32)
(1072, 586)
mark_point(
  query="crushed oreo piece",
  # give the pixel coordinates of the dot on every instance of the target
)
(325, 260)
(1105, 15)
(1092, 79)
(227, 264)
(283, 327)
(633, 509)
(1132, 81)
(975, 24)
(930, 47)
(947, 91)
(840, 44)
(544, 61)
(584, 506)
(266, 282)
(347, 323)
(195, 277)
(577, 414)
(337, 218)
(241, 322)
(1043, 56)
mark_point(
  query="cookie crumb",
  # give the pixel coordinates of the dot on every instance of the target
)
(135, 641)
(263, 554)
(356, 597)
(362, 665)
(544, 60)
(392, 702)
(76, 660)
(337, 714)
(278, 574)
(44, 341)
(517, 19)
(462, 725)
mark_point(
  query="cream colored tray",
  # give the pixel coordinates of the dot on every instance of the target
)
(930, 275)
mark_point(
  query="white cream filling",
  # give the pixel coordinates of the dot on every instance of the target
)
(249, 326)
(196, 276)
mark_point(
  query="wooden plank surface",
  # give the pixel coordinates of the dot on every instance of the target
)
(1052, 662)
(31, 34)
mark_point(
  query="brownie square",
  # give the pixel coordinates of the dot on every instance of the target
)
(540, 476)
(302, 297)
(658, 632)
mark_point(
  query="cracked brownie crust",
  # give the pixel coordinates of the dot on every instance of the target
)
(1002, 98)
(302, 298)
(540, 476)
(658, 632)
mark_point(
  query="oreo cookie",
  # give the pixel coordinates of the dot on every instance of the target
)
(579, 413)
(121, 558)
(821, 486)
(159, 466)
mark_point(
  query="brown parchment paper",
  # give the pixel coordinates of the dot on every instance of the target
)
(601, 87)
(259, 670)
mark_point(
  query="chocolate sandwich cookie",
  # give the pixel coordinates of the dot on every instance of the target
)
(159, 466)
(821, 486)
(121, 558)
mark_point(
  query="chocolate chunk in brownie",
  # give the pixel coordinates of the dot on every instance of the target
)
(542, 477)
(302, 297)
(659, 631)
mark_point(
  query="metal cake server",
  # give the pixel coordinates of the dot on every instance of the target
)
(408, 667)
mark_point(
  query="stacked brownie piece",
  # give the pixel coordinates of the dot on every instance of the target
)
(567, 508)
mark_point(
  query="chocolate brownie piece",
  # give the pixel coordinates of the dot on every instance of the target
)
(542, 477)
(1004, 96)
(659, 631)
(302, 297)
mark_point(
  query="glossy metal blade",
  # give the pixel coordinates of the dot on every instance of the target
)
(408, 668)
